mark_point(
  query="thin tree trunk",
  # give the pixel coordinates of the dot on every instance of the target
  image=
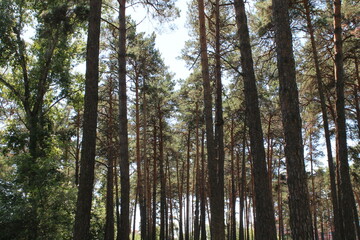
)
(117, 202)
(322, 228)
(281, 222)
(138, 163)
(123, 232)
(197, 178)
(109, 224)
(162, 176)
(179, 175)
(187, 209)
(316, 234)
(219, 136)
(134, 221)
(300, 215)
(153, 231)
(172, 234)
(247, 233)
(203, 190)
(334, 197)
(147, 184)
(78, 147)
(86, 181)
(357, 93)
(233, 184)
(264, 211)
(243, 184)
(270, 153)
(216, 203)
(347, 196)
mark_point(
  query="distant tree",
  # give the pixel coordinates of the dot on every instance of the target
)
(320, 87)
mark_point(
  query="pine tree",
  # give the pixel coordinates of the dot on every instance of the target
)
(265, 221)
(300, 216)
(86, 181)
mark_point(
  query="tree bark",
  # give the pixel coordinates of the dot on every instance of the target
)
(124, 231)
(138, 163)
(153, 224)
(346, 192)
(219, 135)
(300, 215)
(217, 227)
(162, 176)
(242, 188)
(147, 184)
(357, 93)
(87, 164)
(171, 210)
(197, 181)
(109, 223)
(265, 220)
(187, 208)
(233, 184)
(203, 191)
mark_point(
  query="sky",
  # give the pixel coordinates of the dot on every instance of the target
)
(169, 42)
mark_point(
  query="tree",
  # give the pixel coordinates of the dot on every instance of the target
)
(83, 206)
(265, 221)
(123, 232)
(334, 195)
(219, 131)
(217, 220)
(346, 193)
(30, 71)
(300, 216)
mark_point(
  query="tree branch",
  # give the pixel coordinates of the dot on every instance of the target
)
(12, 89)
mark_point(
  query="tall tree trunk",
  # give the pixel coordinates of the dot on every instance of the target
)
(346, 192)
(334, 197)
(172, 233)
(197, 178)
(247, 217)
(187, 208)
(109, 224)
(147, 184)
(300, 215)
(280, 211)
(357, 93)
(162, 176)
(87, 164)
(117, 199)
(219, 135)
(265, 220)
(140, 180)
(153, 224)
(316, 234)
(78, 147)
(179, 176)
(243, 184)
(270, 153)
(233, 184)
(123, 232)
(134, 211)
(203, 190)
(217, 227)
